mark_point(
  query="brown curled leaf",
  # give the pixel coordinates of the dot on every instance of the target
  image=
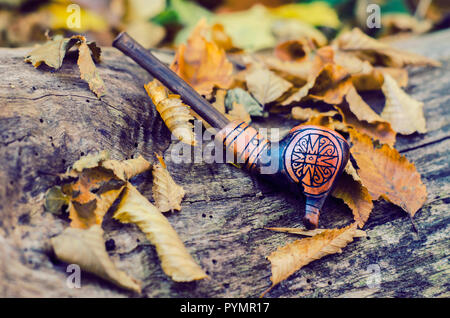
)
(86, 248)
(127, 169)
(88, 71)
(176, 261)
(404, 113)
(358, 114)
(388, 174)
(355, 195)
(167, 194)
(265, 85)
(293, 256)
(174, 113)
(378, 52)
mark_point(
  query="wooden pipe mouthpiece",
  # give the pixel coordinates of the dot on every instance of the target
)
(308, 159)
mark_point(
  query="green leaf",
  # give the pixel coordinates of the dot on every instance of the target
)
(242, 97)
(55, 199)
(168, 16)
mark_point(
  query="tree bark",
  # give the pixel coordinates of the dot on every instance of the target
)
(49, 119)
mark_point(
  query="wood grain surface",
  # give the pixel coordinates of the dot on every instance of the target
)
(47, 120)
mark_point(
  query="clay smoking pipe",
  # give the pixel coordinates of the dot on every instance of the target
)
(309, 158)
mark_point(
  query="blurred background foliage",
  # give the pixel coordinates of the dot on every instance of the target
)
(251, 24)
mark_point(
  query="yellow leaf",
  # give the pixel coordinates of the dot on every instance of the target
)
(146, 33)
(90, 161)
(299, 231)
(304, 114)
(86, 248)
(386, 173)
(290, 258)
(175, 259)
(238, 113)
(202, 63)
(403, 112)
(250, 29)
(88, 71)
(315, 13)
(127, 169)
(326, 120)
(221, 38)
(265, 85)
(89, 20)
(51, 53)
(166, 192)
(175, 114)
(291, 29)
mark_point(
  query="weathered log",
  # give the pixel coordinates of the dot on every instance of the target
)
(48, 120)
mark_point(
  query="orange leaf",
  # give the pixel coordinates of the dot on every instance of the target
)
(290, 258)
(374, 80)
(388, 174)
(293, 50)
(202, 63)
(357, 114)
(331, 85)
(354, 194)
(98, 183)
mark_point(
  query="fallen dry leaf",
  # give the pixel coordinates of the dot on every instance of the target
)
(293, 50)
(89, 161)
(386, 173)
(175, 259)
(300, 231)
(355, 195)
(401, 110)
(238, 113)
(202, 63)
(127, 169)
(327, 120)
(94, 183)
(265, 85)
(379, 53)
(374, 80)
(55, 199)
(290, 258)
(393, 23)
(331, 85)
(304, 114)
(166, 192)
(174, 113)
(51, 53)
(221, 38)
(352, 63)
(88, 71)
(87, 249)
(357, 114)
(91, 195)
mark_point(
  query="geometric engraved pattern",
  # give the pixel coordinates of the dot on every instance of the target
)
(314, 159)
